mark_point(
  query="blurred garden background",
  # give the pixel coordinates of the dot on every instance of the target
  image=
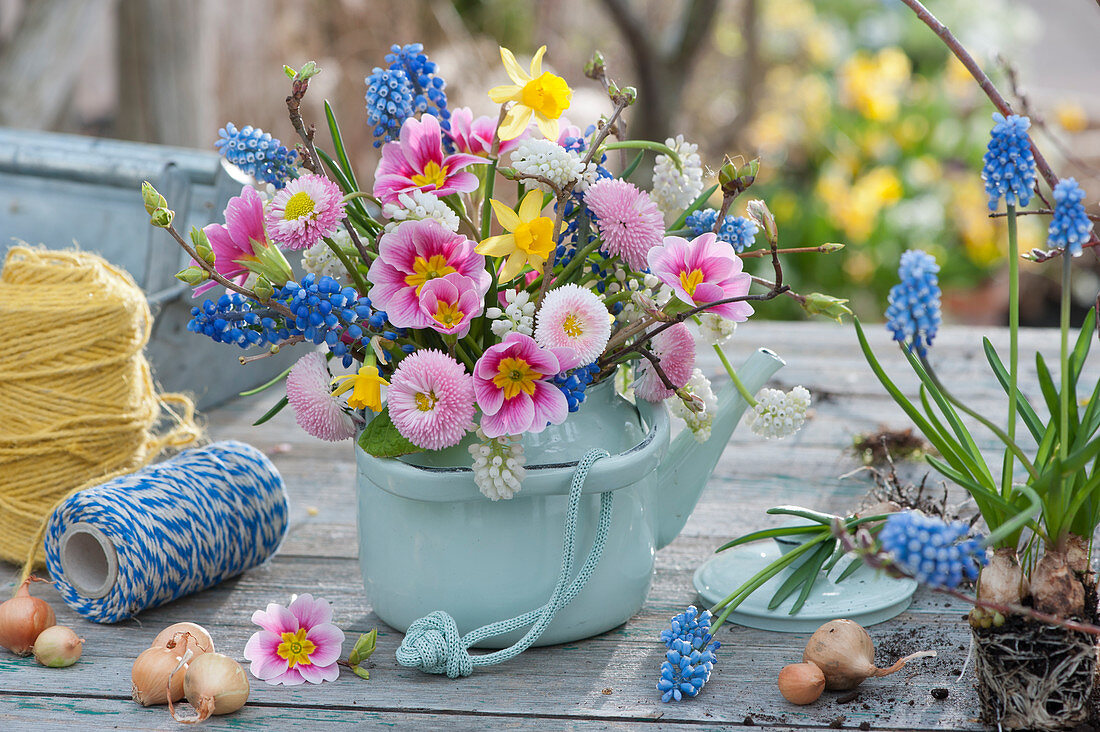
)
(869, 132)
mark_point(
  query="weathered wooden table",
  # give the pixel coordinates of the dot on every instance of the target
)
(603, 683)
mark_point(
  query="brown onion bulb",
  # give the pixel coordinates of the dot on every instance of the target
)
(151, 673)
(200, 641)
(214, 684)
(22, 618)
(844, 652)
(801, 683)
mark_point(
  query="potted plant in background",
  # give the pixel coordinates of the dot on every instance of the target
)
(486, 356)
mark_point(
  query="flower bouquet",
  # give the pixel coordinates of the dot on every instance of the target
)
(486, 285)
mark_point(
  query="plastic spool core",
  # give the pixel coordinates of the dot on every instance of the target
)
(88, 560)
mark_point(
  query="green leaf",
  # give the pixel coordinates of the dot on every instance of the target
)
(1027, 412)
(363, 648)
(272, 412)
(631, 168)
(361, 672)
(770, 534)
(380, 438)
(338, 145)
(268, 385)
(695, 205)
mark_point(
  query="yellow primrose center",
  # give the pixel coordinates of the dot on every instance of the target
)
(447, 314)
(691, 280)
(572, 326)
(426, 402)
(298, 206)
(536, 237)
(515, 375)
(428, 269)
(433, 175)
(548, 94)
(296, 649)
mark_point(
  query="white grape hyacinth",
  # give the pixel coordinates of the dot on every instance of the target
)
(674, 190)
(553, 162)
(517, 317)
(698, 422)
(715, 330)
(321, 261)
(498, 465)
(417, 206)
(778, 414)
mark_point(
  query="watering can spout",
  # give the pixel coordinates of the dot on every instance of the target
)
(684, 472)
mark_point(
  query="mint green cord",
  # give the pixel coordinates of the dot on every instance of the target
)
(432, 643)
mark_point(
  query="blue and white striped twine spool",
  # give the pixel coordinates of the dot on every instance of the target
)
(169, 530)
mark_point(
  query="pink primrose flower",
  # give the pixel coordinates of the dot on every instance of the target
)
(297, 644)
(306, 210)
(237, 240)
(703, 270)
(431, 399)
(675, 351)
(411, 255)
(474, 136)
(512, 388)
(416, 161)
(450, 302)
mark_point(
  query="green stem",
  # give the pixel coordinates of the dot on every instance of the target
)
(749, 398)
(486, 207)
(578, 260)
(486, 220)
(360, 283)
(465, 357)
(1013, 347)
(656, 147)
(1063, 446)
(362, 194)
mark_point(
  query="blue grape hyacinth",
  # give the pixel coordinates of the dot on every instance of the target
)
(690, 657)
(933, 551)
(913, 315)
(737, 231)
(257, 153)
(427, 86)
(1008, 165)
(389, 103)
(573, 384)
(1070, 226)
(233, 318)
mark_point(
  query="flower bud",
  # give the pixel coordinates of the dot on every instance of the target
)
(595, 66)
(831, 307)
(151, 198)
(263, 289)
(691, 401)
(202, 245)
(628, 94)
(162, 217)
(308, 71)
(735, 175)
(192, 275)
(832, 246)
(758, 212)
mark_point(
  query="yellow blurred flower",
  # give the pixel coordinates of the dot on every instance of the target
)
(872, 83)
(1071, 116)
(854, 208)
(538, 93)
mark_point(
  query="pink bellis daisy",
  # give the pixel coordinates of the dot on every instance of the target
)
(572, 316)
(317, 410)
(703, 270)
(511, 382)
(451, 302)
(240, 245)
(629, 221)
(474, 136)
(431, 399)
(298, 644)
(416, 162)
(306, 210)
(675, 351)
(412, 254)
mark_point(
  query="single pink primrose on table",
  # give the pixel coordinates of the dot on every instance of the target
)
(308, 209)
(511, 383)
(298, 644)
(703, 270)
(451, 302)
(416, 162)
(411, 255)
(474, 136)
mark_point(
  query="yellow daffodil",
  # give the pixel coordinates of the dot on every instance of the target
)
(365, 387)
(530, 239)
(537, 93)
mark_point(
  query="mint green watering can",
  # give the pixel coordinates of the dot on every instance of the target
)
(429, 540)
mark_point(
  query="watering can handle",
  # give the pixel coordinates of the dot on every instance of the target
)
(432, 643)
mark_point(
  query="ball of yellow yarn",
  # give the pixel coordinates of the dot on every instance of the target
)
(77, 400)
